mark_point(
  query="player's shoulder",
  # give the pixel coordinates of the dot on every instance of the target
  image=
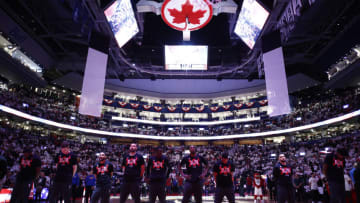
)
(35, 156)
(202, 157)
(139, 155)
(217, 164)
(165, 158)
(330, 156)
(186, 157)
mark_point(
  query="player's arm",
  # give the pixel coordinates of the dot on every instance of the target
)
(123, 164)
(215, 172)
(56, 162)
(181, 171)
(74, 169)
(206, 168)
(292, 175)
(142, 170)
(179, 168)
(167, 164)
(215, 175)
(205, 171)
(142, 163)
(293, 183)
(37, 171)
(111, 170)
(325, 168)
(232, 172)
(74, 162)
(37, 167)
(276, 172)
(327, 162)
(95, 171)
(147, 174)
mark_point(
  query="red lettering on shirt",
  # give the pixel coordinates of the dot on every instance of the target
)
(131, 162)
(225, 170)
(102, 169)
(285, 171)
(194, 162)
(338, 163)
(158, 164)
(25, 163)
(64, 160)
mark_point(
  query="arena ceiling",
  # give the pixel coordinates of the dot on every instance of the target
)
(63, 28)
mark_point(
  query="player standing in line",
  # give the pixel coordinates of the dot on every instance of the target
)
(133, 166)
(156, 173)
(103, 171)
(334, 171)
(29, 169)
(196, 169)
(66, 166)
(224, 179)
(283, 177)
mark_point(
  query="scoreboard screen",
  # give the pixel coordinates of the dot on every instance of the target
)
(186, 57)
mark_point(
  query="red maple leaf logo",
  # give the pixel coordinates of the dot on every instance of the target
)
(187, 13)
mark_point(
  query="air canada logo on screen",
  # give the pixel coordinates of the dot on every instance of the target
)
(186, 14)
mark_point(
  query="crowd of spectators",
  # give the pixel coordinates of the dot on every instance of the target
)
(306, 157)
(310, 106)
(59, 108)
